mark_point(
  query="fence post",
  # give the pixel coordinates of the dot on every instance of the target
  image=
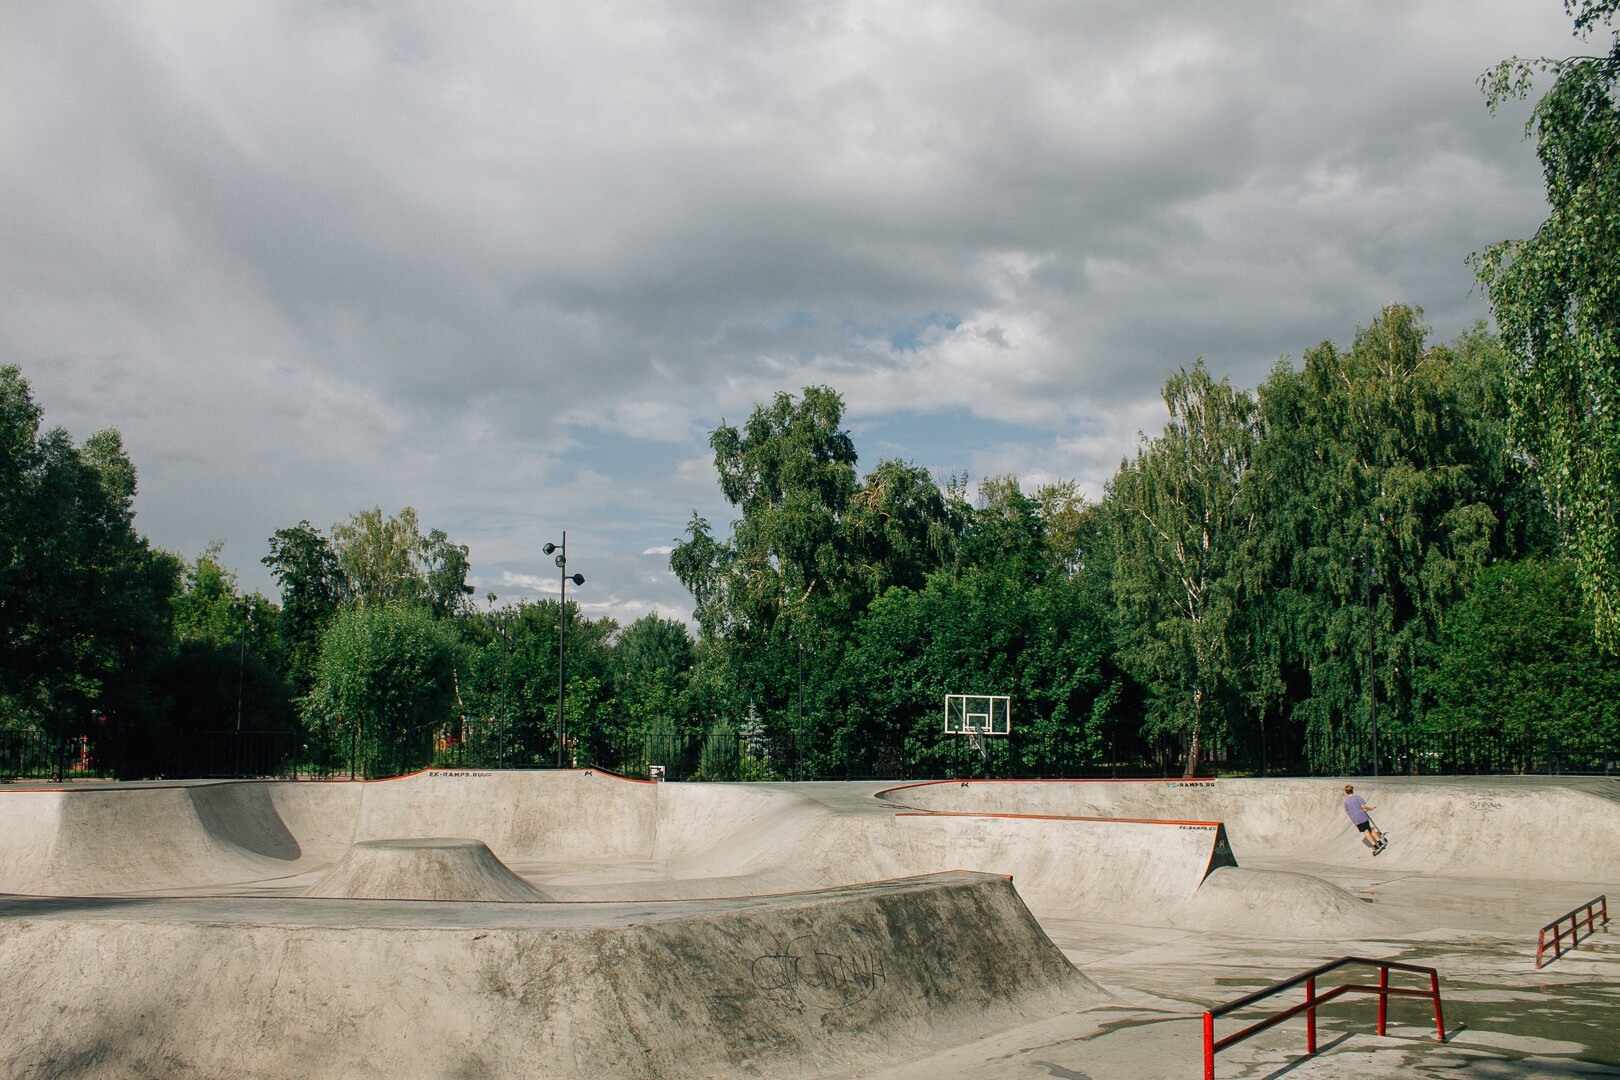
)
(1439, 1018)
(1310, 1015)
(1209, 1046)
(1383, 997)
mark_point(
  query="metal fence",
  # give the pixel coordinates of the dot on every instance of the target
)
(31, 754)
(727, 756)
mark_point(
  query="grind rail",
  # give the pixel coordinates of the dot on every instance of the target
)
(1596, 913)
(1313, 1001)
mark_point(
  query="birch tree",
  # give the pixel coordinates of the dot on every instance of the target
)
(1179, 511)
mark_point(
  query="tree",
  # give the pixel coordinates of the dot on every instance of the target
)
(445, 568)
(1065, 515)
(209, 608)
(790, 472)
(900, 527)
(1386, 457)
(998, 628)
(381, 557)
(1007, 529)
(508, 697)
(84, 600)
(812, 546)
(312, 587)
(384, 687)
(1181, 521)
(651, 660)
(1516, 660)
(784, 580)
(1556, 299)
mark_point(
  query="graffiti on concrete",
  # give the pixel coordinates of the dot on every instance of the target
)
(806, 975)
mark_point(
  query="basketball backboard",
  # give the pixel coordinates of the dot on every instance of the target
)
(978, 714)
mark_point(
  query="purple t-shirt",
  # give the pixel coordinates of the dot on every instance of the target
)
(1353, 806)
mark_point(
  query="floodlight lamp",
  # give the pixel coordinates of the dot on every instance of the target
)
(549, 548)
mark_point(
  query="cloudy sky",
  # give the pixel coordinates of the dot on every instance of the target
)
(510, 261)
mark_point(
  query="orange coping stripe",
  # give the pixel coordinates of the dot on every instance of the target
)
(1178, 782)
(619, 776)
(1054, 817)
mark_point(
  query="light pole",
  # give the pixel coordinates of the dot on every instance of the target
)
(562, 631)
(241, 678)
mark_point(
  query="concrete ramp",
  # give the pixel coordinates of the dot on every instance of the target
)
(780, 986)
(118, 839)
(437, 868)
(585, 814)
(1120, 871)
(1559, 829)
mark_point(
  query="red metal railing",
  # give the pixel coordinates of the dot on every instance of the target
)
(1596, 913)
(1313, 1001)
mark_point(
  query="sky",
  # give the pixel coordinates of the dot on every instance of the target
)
(510, 263)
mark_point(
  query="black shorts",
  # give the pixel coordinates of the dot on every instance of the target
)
(1363, 825)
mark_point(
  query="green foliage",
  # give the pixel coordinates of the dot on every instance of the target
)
(202, 688)
(1556, 299)
(721, 757)
(84, 601)
(1006, 627)
(1517, 657)
(790, 472)
(1388, 455)
(899, 528)
(388, 560)
(650, 662)
(508, 699)
(1181, 519)
(384, 686)
(312, 587)
(209, 609)
(812, 547)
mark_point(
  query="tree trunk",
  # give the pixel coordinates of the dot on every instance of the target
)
(1194, 749)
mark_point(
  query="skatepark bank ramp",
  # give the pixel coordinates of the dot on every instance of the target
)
(1462, 827)
(796, 985)
(590, 836)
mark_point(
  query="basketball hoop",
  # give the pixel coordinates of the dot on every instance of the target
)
(979, 716)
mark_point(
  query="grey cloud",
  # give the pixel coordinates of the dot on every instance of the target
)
(315, 257)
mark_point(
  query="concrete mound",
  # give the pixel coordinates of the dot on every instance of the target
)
(423, 868)
(802, 985)
(1278, 903)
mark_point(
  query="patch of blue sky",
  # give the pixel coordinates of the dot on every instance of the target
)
(945, 442)
(901, 333)
(801, 320)
(614, 455)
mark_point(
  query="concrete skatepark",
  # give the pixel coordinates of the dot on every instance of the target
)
(574, 923)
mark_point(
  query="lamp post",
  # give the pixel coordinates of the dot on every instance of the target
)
(562, 631)
(241, 678)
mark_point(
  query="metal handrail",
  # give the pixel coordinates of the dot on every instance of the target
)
(1599, 904)
(1313, 1001)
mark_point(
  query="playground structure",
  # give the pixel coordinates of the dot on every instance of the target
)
(576, 923)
